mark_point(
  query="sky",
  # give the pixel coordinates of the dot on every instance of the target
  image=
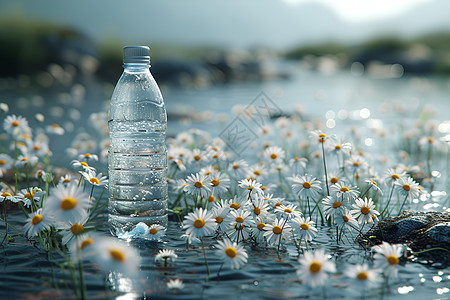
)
(364, 10)
(275, 24)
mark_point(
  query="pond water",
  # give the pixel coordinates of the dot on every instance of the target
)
(339, 101)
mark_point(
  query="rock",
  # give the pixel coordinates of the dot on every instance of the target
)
(419, 230)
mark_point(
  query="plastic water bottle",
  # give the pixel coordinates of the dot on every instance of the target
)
(137, 158)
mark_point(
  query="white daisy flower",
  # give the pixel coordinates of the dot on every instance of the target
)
(175, 284)
(257, 172)
(250, 187)
(190, 240)
(356, 163)
(72, 230)
(238, 169)
(408, 188)
(16, 125)
(260, 206)
(219, 183)
(26, 159)
(277, 231)
(373, 185)
(297, 164)
(66, 179)
(88, 156)
(197, 185)
(166, 256)
(338, 146)
(274, 155)
(199, 223)
(55, 129)
(306, 186)
(155, 232)
(67, 203)
(36, 222)
(8, 196)
(93, 178)
(387, 257)
(332, 206)
(304, 227)
(115, 255)
(6, 162)
(83, 165)
(258, 230)
(391, 176)
(314, 267)
(220, 214)
(25, 195)
(82, 247)
(238, 202)
(340, 190)
(363, 275)
(239, 218)
(345, 218)
(233, 255)
(287, 212)
(364, 210)
(318, 137)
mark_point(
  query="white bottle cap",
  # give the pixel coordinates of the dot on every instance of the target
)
(136, 55)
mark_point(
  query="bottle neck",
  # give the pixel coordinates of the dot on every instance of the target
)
(136, 68)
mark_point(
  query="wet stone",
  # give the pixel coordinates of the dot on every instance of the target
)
(419, 230)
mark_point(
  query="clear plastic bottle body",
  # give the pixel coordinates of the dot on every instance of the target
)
(137, 157)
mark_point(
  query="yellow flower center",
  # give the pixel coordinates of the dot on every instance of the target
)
(307, 185)
(55, 126)
(235, 167)
(219, 219)
(2, 162)
(198, 184)
(76, 229)
(336, 204)
(36, 219)
(277, 229)
(395, 176)
(315, 267)
(68, 203)
(197, 157)
(278, 204)
(24, 159)
(263, 188)
(257, 173)
(216, 156)
(153, 230)
(304, 226)
(66, 180)
(117, 255)
(6, 195)
(257, 211)
(15, 123)
(273, 156)
(365, 210)
(261, 226)
(288, 210)
(84, 164)
(345, 218)
(344, 189)
(430, 140)
(393, 260)
(338, 147)
(406, 187)
(231, 252)
(86, 242)
(356, 164)
(322, 135)
(36, 147)
(94, 180)
(234, 205)
(215, 182)
(211, 198)
(239, 219)
(199, 223)
(334, 180)
(362, 276)
(374, 183)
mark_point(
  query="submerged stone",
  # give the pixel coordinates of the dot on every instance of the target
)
(419, 230)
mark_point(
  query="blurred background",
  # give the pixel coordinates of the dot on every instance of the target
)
(326, 58)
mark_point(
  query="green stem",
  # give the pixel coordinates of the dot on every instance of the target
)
(431, 249)
(206, 260)
(389, 200)
(325, 169)
(404, 201)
